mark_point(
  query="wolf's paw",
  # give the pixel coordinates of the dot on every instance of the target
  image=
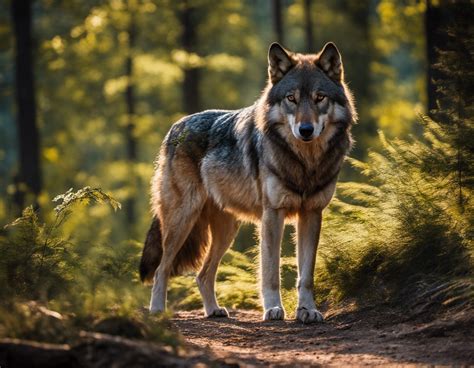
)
(217, 313)
(275, 313)
(156, 310)
(308, 315)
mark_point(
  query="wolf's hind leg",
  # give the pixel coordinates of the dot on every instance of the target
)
(224, 227)
(177, 222)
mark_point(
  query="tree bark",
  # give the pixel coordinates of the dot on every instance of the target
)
(192, 74)
(434, 40)
(28, 179)
(278, 21)
(308, 26)
(130, 128)
(360, 13)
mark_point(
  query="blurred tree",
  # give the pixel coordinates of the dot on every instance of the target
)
(308, 25)
(277, 18)
(8, 136)
(434, 38)
(189, 20)
(453, 83)
(130, 102)
(398, 88)
(358, 58)
(28, 179)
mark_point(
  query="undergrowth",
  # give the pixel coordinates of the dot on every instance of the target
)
(404, 225)
(54, 286)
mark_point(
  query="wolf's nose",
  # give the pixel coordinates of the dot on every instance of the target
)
(306, 130)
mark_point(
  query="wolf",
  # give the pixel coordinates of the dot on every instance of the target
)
(275, 161)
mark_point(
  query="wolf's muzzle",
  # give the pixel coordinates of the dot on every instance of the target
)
(306, 130)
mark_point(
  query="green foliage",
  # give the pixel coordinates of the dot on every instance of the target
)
(35, 262)
(236, 285)
(398, 55)
(53, 286)
(84, 196)
(403, 226)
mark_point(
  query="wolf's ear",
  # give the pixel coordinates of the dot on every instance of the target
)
(279, 62)
(330, 62)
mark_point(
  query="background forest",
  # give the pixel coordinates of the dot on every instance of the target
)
(89, 88)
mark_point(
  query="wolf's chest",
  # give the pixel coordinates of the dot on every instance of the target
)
(278, 194)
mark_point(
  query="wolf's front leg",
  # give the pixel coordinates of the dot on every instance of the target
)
(271, 234)
(308, 230)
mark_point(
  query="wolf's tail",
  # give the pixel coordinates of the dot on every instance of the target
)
(189, 256)
(152, 252)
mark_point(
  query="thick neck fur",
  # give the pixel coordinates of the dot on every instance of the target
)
(305, 166)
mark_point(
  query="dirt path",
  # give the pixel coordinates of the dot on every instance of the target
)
(367, 337)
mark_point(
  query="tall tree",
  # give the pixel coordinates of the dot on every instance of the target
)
(29, 173)
(189, 40)
(130, 103)
(308, 26)
(277, 16)
(435, 39)
(454, 101)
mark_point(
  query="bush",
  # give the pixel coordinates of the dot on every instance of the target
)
(404, 225)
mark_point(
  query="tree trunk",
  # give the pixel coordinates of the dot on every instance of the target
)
(359, 13)
(278, 21)
(434, 40)
(28, 179)
(308, 26)
(189, 39)
(130, 128)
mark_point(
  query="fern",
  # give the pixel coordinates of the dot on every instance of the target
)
(85, 195)
(37, 262)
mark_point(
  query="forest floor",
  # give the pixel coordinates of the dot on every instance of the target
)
(371, 336)
(376, 335)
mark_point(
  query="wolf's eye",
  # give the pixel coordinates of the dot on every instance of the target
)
(319, 98)
(291, 98)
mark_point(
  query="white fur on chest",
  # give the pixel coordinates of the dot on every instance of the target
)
(278, 196)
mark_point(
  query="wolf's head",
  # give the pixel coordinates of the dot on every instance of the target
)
(306, 94)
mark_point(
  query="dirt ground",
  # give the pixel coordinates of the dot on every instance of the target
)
(365, 337)
(428, 331)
